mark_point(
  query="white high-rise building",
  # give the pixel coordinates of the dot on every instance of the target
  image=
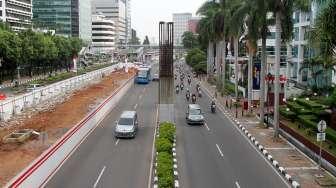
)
(120, 12)
(103, 34)
(17, 13)
(180, 26)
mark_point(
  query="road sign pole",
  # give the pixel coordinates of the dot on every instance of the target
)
(320, 161)
(321, 127)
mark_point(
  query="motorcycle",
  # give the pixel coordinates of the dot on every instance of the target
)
(213, 107)
(187, 96)
(193, 99)
(177, 90)
(199, 93)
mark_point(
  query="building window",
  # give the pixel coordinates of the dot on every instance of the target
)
(304, 75)
(295, 51)
(296, 34)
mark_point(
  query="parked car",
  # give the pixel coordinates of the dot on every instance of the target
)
(194, 114)
(127, 126)
(33, 87)
(156, 77)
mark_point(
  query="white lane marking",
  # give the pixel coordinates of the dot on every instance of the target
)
(151, 163)
(206, 126)
(237, 184)
(220, 152)
(100, 175)
(117, 142)
(135, 106)
(221, 108)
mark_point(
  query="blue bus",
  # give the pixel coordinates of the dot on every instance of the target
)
(143, 76)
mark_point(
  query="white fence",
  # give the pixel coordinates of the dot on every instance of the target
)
(46, 165)
(18, 104)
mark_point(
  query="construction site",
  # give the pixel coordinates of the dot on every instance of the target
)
(27, 135)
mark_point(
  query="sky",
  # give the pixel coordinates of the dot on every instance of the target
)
(146, 14)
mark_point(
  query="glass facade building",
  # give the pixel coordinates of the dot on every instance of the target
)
(66, 17)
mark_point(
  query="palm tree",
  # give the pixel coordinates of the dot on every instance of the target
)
(283, 10)
(206, 30)
(249, 11)
(235, 31)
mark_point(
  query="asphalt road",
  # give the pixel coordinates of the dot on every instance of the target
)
(217, 154)
(104, 161)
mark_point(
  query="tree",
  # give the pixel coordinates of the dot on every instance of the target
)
(28, 45)
(257, 24)
(206, 30)
(10, 52)
(322, 35)
(146, 41)
(235, 31)
(189, 40)
(283, 10)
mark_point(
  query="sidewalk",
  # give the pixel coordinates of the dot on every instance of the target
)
(300, 167)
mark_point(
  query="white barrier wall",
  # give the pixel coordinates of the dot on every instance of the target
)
(17, 104)
(45, 166)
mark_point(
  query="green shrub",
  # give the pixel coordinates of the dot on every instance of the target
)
(287, 114)
(309, 104)
(163, 145)
(298, 109)
(331, 135)
(308, 121)
(165, 170)
(167, 130)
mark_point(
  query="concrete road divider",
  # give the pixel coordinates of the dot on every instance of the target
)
(46, 165)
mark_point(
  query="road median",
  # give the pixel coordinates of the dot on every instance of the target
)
(165, 173)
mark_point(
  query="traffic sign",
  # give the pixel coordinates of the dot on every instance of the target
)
(321, 126)
(321, 137)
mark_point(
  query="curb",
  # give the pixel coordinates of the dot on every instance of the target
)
(269, 157)
(175, 164)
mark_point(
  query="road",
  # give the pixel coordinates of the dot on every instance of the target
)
(104, 161)
(214, 155)
(217, 154)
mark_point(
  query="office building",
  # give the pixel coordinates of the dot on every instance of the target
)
(67, 17)
(300, 49)
(120, 12)
(103, 34)
(17, 13)
(180, 26)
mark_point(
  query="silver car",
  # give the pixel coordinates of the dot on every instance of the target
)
(194, 115)
(127, 126)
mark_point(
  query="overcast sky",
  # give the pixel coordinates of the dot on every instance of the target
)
(146, 14)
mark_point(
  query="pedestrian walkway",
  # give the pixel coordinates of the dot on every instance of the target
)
(299, 166)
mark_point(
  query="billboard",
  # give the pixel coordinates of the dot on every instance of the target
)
(256, 75)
